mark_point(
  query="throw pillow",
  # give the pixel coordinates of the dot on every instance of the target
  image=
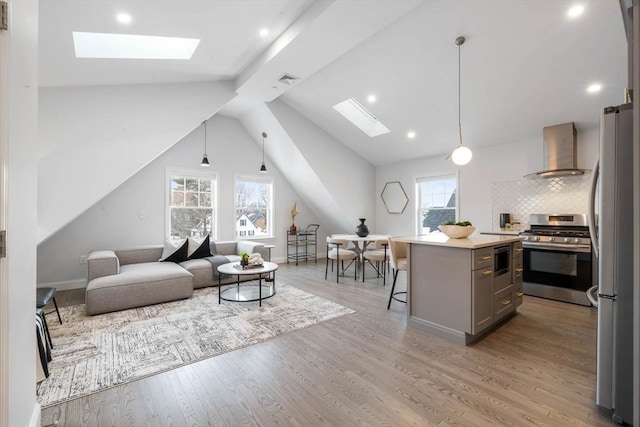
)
(198, 249)
(175, 252)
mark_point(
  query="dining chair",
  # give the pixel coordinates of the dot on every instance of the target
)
(337, 251)
(398, 262)
(380, 255)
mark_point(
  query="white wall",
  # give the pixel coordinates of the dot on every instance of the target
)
(347, 179)
(507, 162)
(94, 138)
(134, 213)
(18, 114)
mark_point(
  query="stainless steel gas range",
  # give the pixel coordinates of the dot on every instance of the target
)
(558, 260)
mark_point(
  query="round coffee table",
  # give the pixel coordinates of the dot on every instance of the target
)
(247, 292)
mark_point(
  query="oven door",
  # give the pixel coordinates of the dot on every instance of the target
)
(568, 267)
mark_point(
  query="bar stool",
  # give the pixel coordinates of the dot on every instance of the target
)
(44, 296)
(398, 262)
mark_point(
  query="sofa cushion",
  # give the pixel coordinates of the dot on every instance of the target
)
(138, 285)
(175, 252)
(224, 248)
(198, 248)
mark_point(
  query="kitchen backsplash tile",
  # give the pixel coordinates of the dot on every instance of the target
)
(569, 194)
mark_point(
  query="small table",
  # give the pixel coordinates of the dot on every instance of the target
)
(247, 292)
(365, 242)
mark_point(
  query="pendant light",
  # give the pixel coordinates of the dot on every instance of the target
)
(205, 160)
(461, 155)
(263, 168)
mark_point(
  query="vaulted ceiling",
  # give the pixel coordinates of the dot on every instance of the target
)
(525, 64)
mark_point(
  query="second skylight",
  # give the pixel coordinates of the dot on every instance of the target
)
(353, 111)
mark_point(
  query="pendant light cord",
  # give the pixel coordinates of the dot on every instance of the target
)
(205, 136)
(459, 91)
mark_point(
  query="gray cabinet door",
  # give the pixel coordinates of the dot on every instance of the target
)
(482, 297)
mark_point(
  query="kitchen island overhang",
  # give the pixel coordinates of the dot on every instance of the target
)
(462, 289)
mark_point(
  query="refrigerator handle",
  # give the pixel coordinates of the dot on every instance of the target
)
(591, 292)
(593, 229)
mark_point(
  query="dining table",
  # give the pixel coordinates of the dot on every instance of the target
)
(360, 244)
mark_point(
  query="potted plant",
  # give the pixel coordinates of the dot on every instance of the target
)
(294, 213)
(244, 259)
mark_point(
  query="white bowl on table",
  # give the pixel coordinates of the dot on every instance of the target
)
(457, 231)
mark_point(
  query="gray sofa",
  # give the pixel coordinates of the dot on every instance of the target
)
(128, 278)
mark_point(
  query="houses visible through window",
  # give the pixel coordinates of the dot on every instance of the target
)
(436, 202)
(192, 204)
(254, 206)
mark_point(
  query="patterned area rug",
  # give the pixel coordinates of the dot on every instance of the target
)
(93, 353)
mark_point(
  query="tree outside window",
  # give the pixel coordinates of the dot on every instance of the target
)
(253, 206)
(437, 203)
(191, 205)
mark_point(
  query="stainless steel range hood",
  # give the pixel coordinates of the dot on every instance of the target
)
(559, 150)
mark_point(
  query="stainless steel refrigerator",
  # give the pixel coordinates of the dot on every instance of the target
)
(612, 235)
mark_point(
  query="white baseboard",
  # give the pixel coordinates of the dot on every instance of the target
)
(65, 286)
(35, 416)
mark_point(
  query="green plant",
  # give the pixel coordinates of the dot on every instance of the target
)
(461, 223)
(244, 256)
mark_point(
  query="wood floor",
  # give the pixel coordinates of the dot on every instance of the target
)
(370, 369)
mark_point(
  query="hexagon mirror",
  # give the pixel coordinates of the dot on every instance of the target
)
(394, 197)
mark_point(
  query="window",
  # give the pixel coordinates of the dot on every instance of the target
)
(192, 204)
(436, 201)
(254, 206)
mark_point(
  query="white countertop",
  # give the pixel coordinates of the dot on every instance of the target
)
(474, 241)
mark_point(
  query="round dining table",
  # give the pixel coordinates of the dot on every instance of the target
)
(357, 240)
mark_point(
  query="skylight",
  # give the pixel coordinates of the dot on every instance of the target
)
(361, 117)
(127, 46)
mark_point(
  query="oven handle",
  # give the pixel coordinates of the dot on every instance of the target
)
(590, 295)
(557, 246)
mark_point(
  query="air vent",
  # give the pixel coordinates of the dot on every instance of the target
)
(288, 79)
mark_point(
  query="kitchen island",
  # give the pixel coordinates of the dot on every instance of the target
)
(461, 289)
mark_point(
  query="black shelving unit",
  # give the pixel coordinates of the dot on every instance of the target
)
(303, 245)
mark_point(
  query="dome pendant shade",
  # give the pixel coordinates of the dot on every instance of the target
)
(205, 160)
(461, 155)
(263, 168)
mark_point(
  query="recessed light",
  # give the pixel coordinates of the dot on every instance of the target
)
(594, 88)
(123, 18)
(371, 99)
(575, 11)
(128, 46)
(411, 134)
(264, 32)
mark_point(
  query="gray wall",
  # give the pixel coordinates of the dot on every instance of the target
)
(134, 213)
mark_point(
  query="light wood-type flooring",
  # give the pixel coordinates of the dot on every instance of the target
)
(370, 369)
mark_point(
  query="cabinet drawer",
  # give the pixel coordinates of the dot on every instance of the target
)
(516, 250)
(517, 294)
(482, 258)
(503, 303)
(517, 271)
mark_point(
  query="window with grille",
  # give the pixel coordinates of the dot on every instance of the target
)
(191, 204)
(254, 206)
(436, 202)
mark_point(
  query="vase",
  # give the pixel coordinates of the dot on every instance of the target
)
(244, 262)
(362, 230)
(293, 229)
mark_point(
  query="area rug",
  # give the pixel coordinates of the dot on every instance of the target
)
(93, 353)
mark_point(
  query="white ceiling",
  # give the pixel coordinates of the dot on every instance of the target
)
(524, 64)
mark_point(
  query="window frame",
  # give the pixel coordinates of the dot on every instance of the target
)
(268, 179)
(418, 196)
(191, 173)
